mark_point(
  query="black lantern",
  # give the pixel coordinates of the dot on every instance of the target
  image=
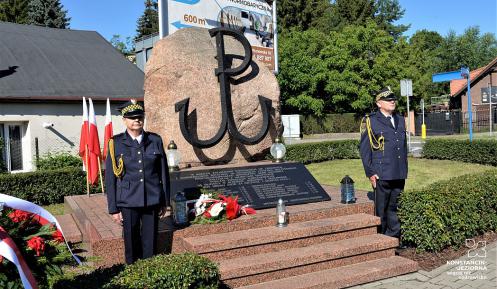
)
(347, 189)
(180, 213)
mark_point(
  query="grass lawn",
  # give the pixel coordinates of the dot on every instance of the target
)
(421, 172)
(55, 209)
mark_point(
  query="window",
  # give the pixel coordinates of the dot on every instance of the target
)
(11, 152)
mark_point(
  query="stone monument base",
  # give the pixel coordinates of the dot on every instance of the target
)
(326, 244)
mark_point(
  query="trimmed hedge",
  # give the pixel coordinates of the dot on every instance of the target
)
(323, 151)
(181, 271)
(479, 151)
(58, 161)
(330, 123)
(45, 187)
(445, 213)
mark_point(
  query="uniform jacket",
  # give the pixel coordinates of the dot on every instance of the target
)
(391, 163)
(145, 181)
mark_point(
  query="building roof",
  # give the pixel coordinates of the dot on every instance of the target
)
(42, 63)
(459, 86)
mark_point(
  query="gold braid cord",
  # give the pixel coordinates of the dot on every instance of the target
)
(375, 143)
(119, 168)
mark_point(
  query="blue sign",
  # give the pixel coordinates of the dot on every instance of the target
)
(461, 74)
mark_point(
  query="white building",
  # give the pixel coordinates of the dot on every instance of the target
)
(44, 73)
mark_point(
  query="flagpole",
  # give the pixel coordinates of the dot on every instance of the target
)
(100, 173)
(87, 170)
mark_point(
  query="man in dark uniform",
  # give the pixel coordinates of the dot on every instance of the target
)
(384, 157)
(136, 182)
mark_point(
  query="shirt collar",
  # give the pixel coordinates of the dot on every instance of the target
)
(138, 138)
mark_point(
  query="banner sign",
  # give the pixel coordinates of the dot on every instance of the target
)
(256, 16)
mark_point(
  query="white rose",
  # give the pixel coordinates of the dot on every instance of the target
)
(216, 209)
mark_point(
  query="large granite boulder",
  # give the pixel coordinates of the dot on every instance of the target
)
(182, 66)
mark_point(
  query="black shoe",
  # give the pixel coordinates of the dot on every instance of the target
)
(402, 246)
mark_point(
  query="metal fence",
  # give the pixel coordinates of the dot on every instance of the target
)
(455, 122)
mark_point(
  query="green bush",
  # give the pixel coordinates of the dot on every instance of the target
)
(479, 151)
(447, 212)
(45, 187)
(330, 123)
(323, 151)
(180, 271)
(58, 161)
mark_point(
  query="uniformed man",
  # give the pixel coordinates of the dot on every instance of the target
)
(384, 157)
(136, 182)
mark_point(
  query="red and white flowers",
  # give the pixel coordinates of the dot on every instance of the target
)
(214, 208)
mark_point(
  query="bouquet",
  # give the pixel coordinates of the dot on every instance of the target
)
(212, 207)
(40, 244)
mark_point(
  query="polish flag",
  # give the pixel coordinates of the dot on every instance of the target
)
(83, 139)
(108, 134)
(93, 146)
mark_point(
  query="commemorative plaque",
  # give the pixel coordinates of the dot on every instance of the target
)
(259, 186)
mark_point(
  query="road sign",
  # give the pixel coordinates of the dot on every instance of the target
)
(406, 87)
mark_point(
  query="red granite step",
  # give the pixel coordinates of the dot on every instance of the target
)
(267, 239)
(345, 276)
(70, 229)
(267, 217)
(274, 265)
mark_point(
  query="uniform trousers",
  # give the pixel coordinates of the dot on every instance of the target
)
(386, 201)
(140, 226)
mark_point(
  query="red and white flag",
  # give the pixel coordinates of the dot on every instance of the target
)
(83, 139)
(9, 250)
(93, 146)
(108, 133)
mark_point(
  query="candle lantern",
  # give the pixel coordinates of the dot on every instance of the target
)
(173, 157)
(347, 190)
(278, 150)
(180, 210)
(281, 214)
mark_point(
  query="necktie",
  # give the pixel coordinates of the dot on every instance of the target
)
(135, 141)
(391, 121)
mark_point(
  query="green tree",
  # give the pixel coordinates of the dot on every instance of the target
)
(339, 71)
(302, 76)
(48, 13)
(386, 13)
(469, 49)
(359, 12)
(15, 11)
(125, 46)
(421, 60)
(301, 14)
(148, 23)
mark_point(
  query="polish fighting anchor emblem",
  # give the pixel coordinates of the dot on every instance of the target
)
(225, 73)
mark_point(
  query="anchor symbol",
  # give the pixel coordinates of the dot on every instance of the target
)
(224, 74)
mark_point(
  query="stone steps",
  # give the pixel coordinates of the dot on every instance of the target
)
(245, 270)
(269, 239)
(72, 233)
(344, 276)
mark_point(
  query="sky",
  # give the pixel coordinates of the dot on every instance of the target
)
(110, 17)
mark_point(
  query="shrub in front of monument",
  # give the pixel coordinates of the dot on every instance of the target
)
(181, 271)
(448, 212)
(478, 151)
(58, 161)
(322, 151)
(41, 246)
(45, 187)
(213, 207)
